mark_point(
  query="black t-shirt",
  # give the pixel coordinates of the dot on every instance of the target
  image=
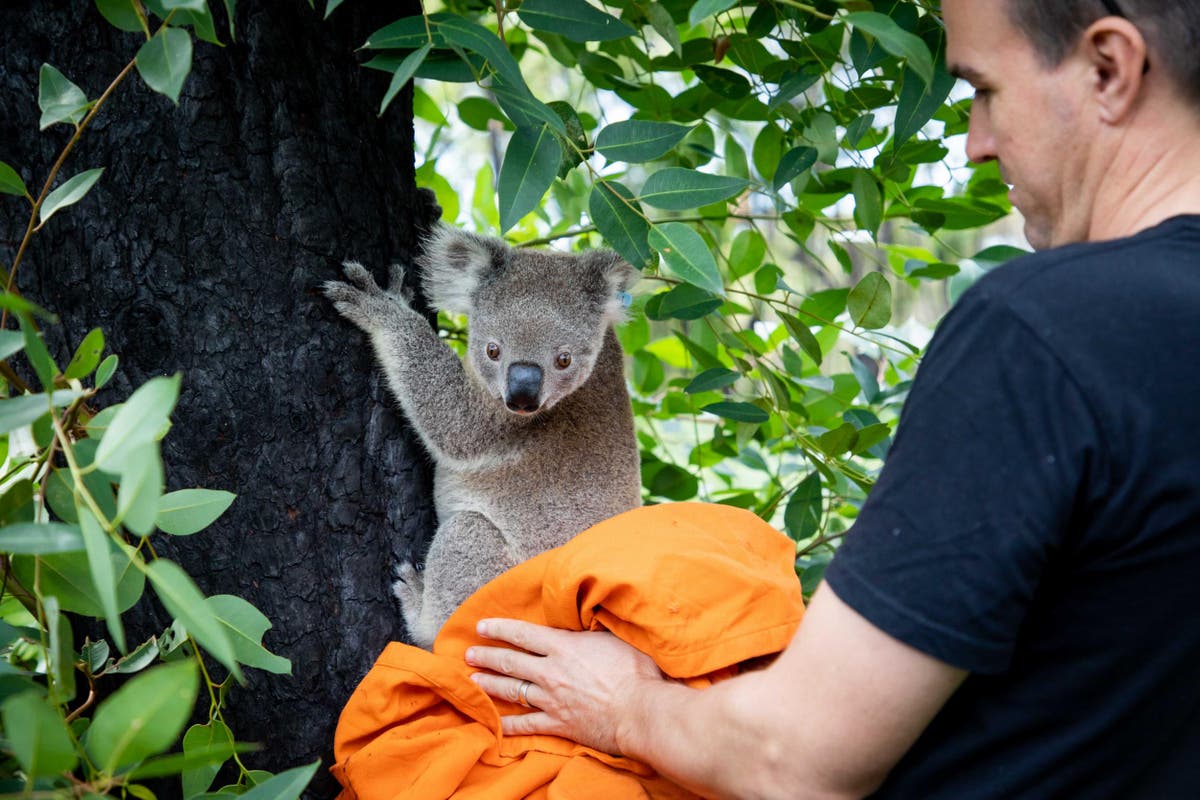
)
(1038, 524)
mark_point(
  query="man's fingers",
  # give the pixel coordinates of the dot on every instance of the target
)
(534, 722)
(525, 635)
(515, 690)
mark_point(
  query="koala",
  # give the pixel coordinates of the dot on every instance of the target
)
(532, 432)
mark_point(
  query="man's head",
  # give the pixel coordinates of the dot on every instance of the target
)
(1171, 28)
(1062, 88)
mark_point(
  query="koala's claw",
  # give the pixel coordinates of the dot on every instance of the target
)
(360, 277)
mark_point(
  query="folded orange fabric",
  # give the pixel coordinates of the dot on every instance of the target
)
(701, 588)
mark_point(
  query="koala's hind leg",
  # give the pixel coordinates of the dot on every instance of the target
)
(467, 552)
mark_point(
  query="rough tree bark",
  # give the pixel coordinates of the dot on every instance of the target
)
(200, 252)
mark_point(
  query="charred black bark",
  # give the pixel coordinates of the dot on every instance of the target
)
(200, 252)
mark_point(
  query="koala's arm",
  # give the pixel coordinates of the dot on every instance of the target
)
(444, 406)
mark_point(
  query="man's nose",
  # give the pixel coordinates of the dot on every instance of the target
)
(981, 143)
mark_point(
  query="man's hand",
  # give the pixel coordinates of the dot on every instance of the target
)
(584, 685)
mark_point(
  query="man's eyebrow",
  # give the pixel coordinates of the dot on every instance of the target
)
(965, 72)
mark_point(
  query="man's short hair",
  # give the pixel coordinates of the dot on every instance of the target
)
(1171, 29)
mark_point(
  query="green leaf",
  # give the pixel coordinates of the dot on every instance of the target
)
(687, 256)
(36, 352)
(201, 739)
(40, 538)
(479, 39)
(68, 577)
(141, 486)
(10, 181)
(803, 337)
(245, 625)
(331, 6)
(409, 33)
(144, 717)
(121, 15)
(24, 409)
(188, 511)
(724, 82)
(794, 162)
(997, 254)
(703, 9)
(712, 379)
(747, 252)
(87, 355)
(69, 193)
(802, 517)
(573, 19)
(137, 660)
(403, 74)
(919, 100)
(37, 736)
(868, 202)
(738, 412)
(210, 757)
(618, 217)
(664, 25)
(165, 61)
(678, 188)
(284, 786)
(870, 302)
(839, 440)
(184, 601)
(639, 140)
(100, 565)
(141, 420)
(59, 99)
(60, 655)
(895, 40)
(687, 302)
(530, 167)
(105, 371)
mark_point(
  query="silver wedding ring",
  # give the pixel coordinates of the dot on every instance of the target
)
(523, 693)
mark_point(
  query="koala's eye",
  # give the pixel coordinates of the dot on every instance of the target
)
(493, 351)
(563, 361)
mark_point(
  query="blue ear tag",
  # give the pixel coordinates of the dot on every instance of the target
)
(626, 299)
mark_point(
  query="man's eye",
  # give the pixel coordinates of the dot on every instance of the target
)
(983, 94)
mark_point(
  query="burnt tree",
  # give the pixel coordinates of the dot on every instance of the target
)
(200, 252)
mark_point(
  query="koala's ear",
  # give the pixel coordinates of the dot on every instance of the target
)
(452, 263)
(618, 277)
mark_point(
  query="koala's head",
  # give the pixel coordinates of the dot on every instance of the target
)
(536, 318)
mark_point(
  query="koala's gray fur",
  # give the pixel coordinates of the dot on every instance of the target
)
(528, 452)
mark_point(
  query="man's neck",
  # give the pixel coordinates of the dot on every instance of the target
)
(1155, 175)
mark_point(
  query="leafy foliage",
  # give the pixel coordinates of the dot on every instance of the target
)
(81, 504)
(778, 169)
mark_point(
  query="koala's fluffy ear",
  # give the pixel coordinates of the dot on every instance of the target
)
(453, 262)
(618, 277)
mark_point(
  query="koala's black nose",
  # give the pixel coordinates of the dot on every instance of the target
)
(524, 386)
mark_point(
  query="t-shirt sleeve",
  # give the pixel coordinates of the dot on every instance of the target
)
(978, 493)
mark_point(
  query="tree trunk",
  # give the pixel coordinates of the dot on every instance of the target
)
(200, 251)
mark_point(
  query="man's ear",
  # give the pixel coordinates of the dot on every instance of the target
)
(452, 263)
(1117, 54)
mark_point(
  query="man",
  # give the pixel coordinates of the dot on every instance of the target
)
(1015, 611)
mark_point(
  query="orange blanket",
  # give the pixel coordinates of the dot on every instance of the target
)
(701, 588)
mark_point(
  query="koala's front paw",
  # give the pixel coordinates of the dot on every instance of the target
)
(361, 300)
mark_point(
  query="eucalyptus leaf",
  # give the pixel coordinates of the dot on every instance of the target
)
(576, 20)
(284, 786)
(802, 516)
(10, 181)
(141, 487)
(37, 735)
(105, 371)
(245, 625)
(40, 538)
(403, 74)
(184, 601)
(687, 256)
(121, 14)
(104, 576)
(188, 511)
(638, 140)
(792, 164)
(87, 355)
(143, 717)
(678, 188)
(895, 40)
(165, 61)
(711, 379)
(19, 411)
(870, 302)
(618, 217)
(141, 420)
(530, 166)
(703, 9)
(738, 412)
(69, 193)
(59, 99)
